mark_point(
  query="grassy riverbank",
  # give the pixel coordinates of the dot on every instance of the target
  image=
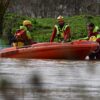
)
(43, 27)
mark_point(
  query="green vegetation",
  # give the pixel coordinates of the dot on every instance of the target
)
(43, 27)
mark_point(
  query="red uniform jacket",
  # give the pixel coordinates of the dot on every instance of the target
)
(66, 34)
(91, 33)
(21, 36)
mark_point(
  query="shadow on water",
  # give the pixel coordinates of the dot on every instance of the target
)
(7, 89)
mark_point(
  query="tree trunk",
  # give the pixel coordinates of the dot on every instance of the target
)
(3, 7)
(1, 25)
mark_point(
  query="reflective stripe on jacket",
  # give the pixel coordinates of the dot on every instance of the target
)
(60, 31)
(95, 29)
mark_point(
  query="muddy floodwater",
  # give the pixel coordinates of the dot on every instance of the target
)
(32, 79)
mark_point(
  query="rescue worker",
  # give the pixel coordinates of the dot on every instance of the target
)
(92, 30)
(61, 31)
(93, 35)
(23, 36)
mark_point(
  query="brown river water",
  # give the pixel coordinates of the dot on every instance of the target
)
(32, 79)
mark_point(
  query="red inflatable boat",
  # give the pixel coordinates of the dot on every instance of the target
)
(74, 50)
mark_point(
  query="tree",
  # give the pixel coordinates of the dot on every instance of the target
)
(3, 7)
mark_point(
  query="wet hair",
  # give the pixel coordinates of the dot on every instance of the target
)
(91, 25)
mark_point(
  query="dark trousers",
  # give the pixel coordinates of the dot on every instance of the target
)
(95, 55)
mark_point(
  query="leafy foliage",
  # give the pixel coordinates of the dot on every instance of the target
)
(43, 27)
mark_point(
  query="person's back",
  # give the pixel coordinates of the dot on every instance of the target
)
(23, 36)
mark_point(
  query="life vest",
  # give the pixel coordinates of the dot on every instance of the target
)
(60, 31)
(95, 29)
(93, 38)
(26, 30)
(21, 36)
